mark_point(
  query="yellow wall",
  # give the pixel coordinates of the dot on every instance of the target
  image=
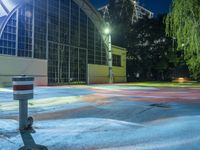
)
(97, 74)
(100, 73)
(119, 73)
(11, 66)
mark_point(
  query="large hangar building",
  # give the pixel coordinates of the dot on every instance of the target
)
(57, 42)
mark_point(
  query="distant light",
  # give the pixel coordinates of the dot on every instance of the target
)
(181, 80)
(28, 14)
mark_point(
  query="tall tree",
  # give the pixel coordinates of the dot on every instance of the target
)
(183, 24)
(120, 20)
(150, 54)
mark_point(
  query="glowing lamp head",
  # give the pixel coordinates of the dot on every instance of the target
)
(107, 30)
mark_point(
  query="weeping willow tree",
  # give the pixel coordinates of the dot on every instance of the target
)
(183, 24)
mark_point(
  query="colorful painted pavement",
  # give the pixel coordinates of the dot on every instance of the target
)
(47, 99)
(184, 95)
(110, 117)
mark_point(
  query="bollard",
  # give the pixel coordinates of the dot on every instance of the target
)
(23, 91)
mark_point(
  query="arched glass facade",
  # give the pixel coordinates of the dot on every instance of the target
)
(58, 31)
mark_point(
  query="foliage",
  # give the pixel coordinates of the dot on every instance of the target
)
(183, 24)
(150, 55)
(120, 20)
(150, 51)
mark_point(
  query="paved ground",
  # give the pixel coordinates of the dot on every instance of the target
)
(106, 117)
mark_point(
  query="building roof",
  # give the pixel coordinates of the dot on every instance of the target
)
(7, 6)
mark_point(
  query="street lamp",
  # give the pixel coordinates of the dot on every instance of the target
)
(107, 31)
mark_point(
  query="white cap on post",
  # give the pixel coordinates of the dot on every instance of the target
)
(23, 87)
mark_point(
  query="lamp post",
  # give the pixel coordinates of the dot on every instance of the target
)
(108, 32)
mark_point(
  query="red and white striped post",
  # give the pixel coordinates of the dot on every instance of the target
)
(23, 91)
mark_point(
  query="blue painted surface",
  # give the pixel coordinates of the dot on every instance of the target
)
(46, 92)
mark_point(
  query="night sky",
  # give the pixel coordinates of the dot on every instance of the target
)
(156, 6)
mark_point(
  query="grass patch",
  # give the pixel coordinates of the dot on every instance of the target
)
(166, 84)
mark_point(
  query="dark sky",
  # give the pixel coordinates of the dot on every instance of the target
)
(156, 6)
